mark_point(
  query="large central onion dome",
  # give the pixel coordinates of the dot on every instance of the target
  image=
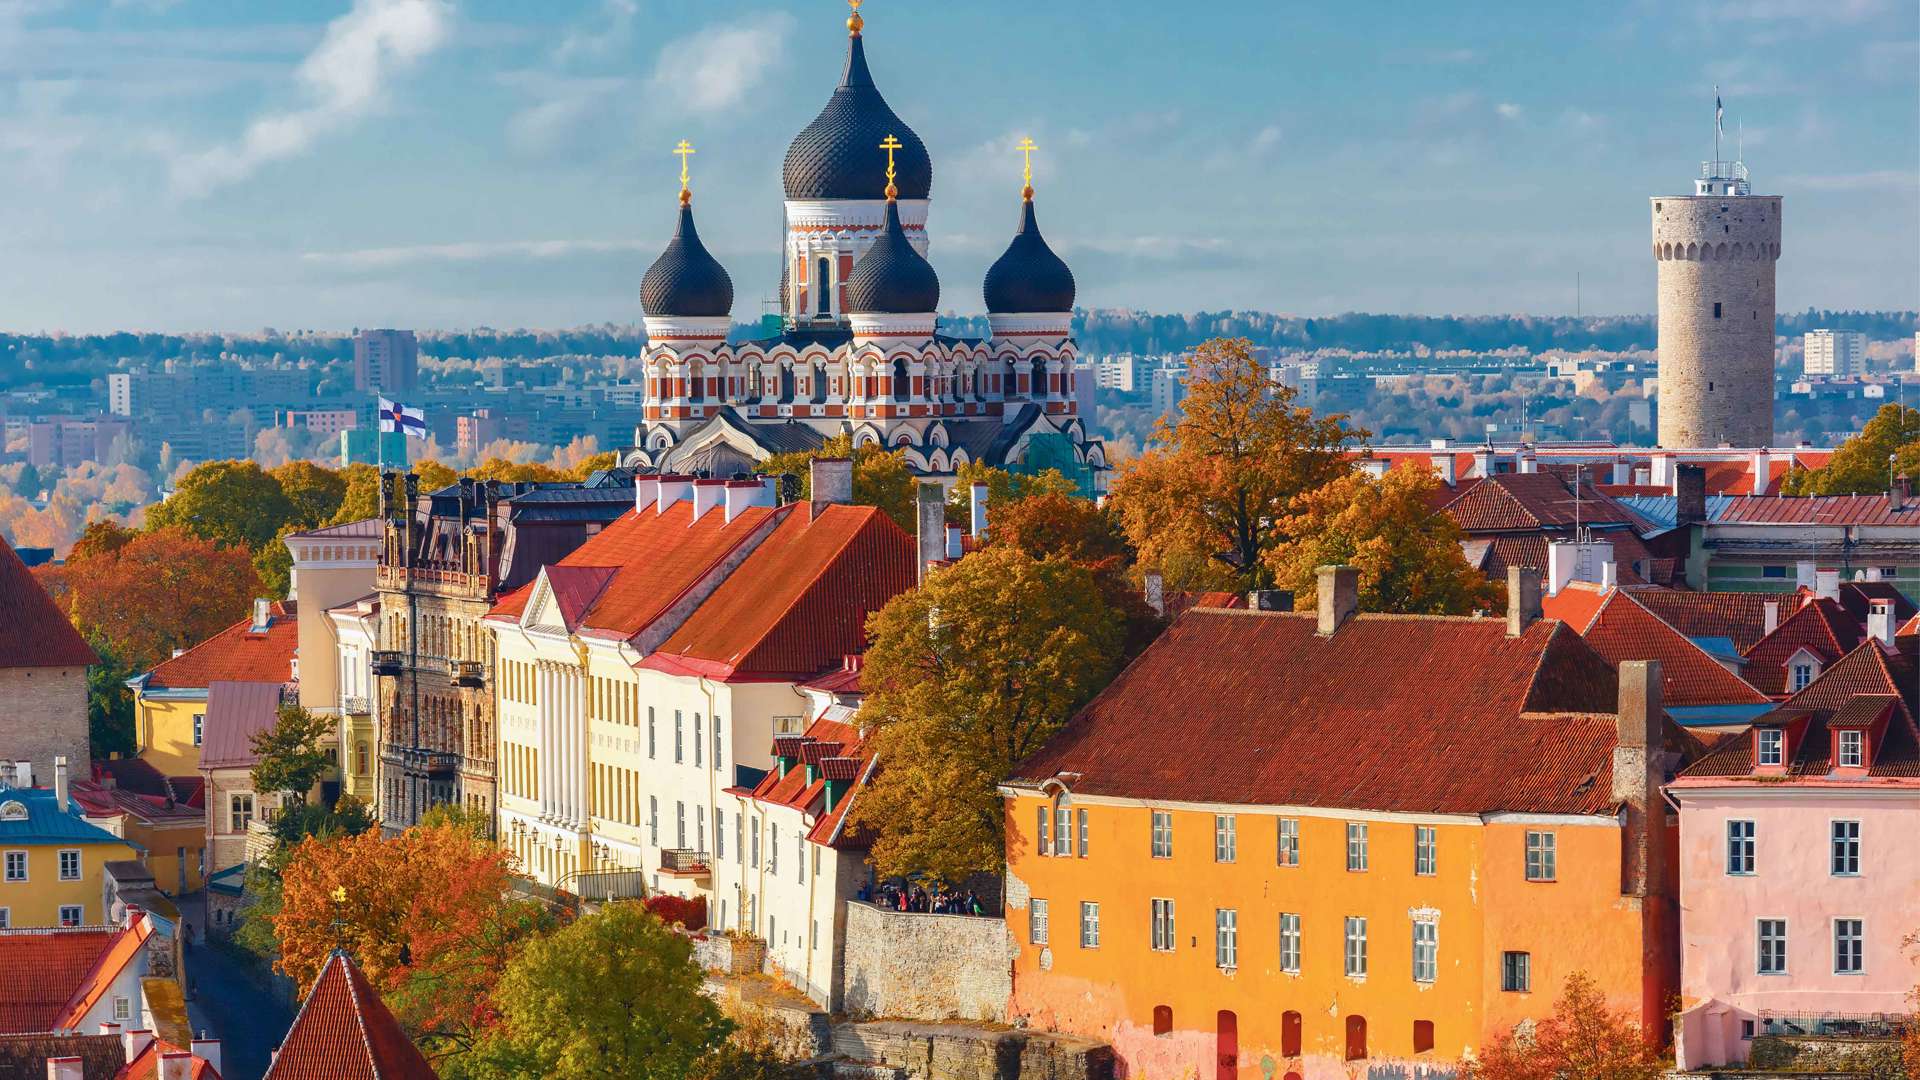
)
(1029, 278)
(838, 155)
(685, 280)
(892, 278)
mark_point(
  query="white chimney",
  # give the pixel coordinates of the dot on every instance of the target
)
(1826, 584)
(1609, 574)
(1622, 471)
(1374, 467)
(1880, 621)
(1762, 471)
(176, 1065)
(1443, 464)
(108, 1027)
(66, 1068)
(1770, 617)
(672, 490)
(1482, 463)
(60, 783)
(1663, 470)
(707, 494)
(207, 1050)
(262, 615)
(1436, 444)
(978, 504)
(1528, 463)
(646, 492)
(134, 1043)
(744, 493)
(1803, 574)
(23, 774)
(1871, 573)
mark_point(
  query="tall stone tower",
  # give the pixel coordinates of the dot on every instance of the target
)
(1716, 249)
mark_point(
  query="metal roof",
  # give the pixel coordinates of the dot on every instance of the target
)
(45, 823)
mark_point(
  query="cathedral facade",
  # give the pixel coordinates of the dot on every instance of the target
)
(859, 350)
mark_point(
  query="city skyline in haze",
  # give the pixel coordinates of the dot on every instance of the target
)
(196, 164)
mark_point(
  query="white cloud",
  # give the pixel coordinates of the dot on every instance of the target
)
(466, 252)
(601, 37)
(344, 78)
(561, 106)
(1508, 110)
(713, 70)
(1268, 138)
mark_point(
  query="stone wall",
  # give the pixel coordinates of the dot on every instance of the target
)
(45, 717)
(964, 1052)
(909, 965)
(1716, 372)
(1828, 1056)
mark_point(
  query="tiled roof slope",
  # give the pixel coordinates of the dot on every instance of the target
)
(121, 950)
(33, 633)
(1818, 510)
(24, 1057)
(1819, 625)
(1858, 596)
(1517, 502)
(1741, 616)
(59, 961)
(1292, 718)
(344, 1032)
(236, 654)
(793, 790)
(1869, 671)
(146, 1064)
(800, 602)
(1626, 630)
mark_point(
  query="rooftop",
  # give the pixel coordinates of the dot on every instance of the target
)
(240, 653)
(345, 1032)
(34, 632)
(33, 816)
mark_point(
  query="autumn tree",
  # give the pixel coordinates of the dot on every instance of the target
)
(880, 477)
(291, 757)
(966, 676)
(1081, 531)
(616, 993)
(1408, 554)
(1222, 476)
(232, 503)
(593, 463)
(314, 492)
(1582, 1038)
(159, 591)
(1002, 487)
(360, 499)
(1888, 446)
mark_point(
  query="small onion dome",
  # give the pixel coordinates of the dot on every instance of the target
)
(685, 280)
(892, 278)
(1029, 277)
(838, 155)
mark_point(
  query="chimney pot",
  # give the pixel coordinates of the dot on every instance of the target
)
(832, 482)
(1338, 590)
(1523, 598)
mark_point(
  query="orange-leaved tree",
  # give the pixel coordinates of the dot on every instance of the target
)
(1206, 502)
(425, 913)
(1083, 532)
(139, 597)
(1582, 1038)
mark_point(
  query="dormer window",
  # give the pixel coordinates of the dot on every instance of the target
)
(1853, 749)
(1771, 747)
(1800, 675)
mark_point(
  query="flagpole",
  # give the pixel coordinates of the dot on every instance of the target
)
(1716, 127)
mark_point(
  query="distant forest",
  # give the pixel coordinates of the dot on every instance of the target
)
(68, 359)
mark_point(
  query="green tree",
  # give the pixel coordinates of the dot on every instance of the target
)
(1002, 487)
(880, 477)
(274, 564)
(966, 676)
(1888, 446)
(314, 491)
(1408, 554)
(109, 704)
(292, 758)
(616, 993)
(232, 503)
(361, 497)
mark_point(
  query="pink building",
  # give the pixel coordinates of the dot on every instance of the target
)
(1799, 868)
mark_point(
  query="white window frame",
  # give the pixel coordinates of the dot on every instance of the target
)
(78, 871)
(1290, 942)
(1226, 841)
(1161, 841)
(1354, 953)
(1037, 928)
(1089, 924)
(1743, 851)
(1852, 751)
(1771, 747)
(1356, 847)
(238, 820)
(1287, 842)
(1426, 950)
(1226, 939)
(1859, 940)
(199, 728)
(1542, 856)
(1044, 829)
(1843, 861)
(1080, 818)
(1799, 677)
(122, 1008)
(6, 918)
(1063, 831)
(1761, 940)
(1163, 925)
(79, 915)
(1426, 850)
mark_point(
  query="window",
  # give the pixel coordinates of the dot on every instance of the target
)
(1289, 850)
(755, 860)
(1846, 848)
(1162, 835)
(1540, 856)
(1516, 972)
(1063, 832)
(1426, 951)
(122, 1009)
(1226, 939)
(679, 740)
(6, 918)
(1716, 309)
(1849, 947)
(680, 824)
(653, 822)
(1224, 840)
(1356, 947)
(1163, 1020)
(1289, 1034)
(1771, 946)
(1740, 847)
(70, 914)
(698, 740)
(239, 811)
(1356, 846)
(1422, 1036)
(1802, 675)
(1045, 817)
(1037, 922)
(1089, 925)
(1772, 746)
(651, 731)
(773, 847)
(719, 834)
(1426, 859)
(1853, 748)
(70, 865)
(1163, 925)
(1746, 1030)
(1775, 571)
(716, 743)
(16, 866)
(199, 727)
(1356, 1038)
(1290, 942)
(1081, 818)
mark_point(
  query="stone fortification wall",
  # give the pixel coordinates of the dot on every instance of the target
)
(1716, 258)
(926, 967)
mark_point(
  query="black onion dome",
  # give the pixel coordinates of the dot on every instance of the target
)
(838, 156)
(892, 278)
(1029, 277)
(685, 280)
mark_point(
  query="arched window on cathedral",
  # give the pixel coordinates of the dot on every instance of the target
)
(754, 383)
(1039, 382)
(819, 380)
(1009, 387)
(901, 387)
(696, 382)
(786, 384)
(825, 285)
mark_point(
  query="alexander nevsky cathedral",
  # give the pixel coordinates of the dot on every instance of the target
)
(858, 348)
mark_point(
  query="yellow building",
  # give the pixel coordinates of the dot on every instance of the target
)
(170, 702)
(333, 582)
(173, 837)
(52, 862)
(356, 632)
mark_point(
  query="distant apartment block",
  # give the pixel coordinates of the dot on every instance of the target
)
(182, 395)
(385, 361)
(324, 421)
(1169, 389)
(1836, 353)
(63, 442)
(473, 431)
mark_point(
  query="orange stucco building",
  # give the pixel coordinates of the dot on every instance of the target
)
(1362, 839)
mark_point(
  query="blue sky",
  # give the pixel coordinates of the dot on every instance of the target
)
(233, 164)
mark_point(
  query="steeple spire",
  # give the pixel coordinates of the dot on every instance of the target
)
(854, 21)
(1026, 149)
(684, 151)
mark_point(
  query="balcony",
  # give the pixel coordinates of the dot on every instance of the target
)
(387, 662)
(684, 863)
(417, 762)
(471, 674)
(356, 706)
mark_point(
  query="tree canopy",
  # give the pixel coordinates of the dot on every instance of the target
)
(966, 676)
(880, 477)
(232, 503)
(142, 596)
(291, 757)
(1581, 1038)
(1888, 446)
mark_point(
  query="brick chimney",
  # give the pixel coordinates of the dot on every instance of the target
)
(1898, 493)
(1523, 598)
(832, 482)
(930, 515)
(1338, 589)
(1690, 495)
(1639, 770)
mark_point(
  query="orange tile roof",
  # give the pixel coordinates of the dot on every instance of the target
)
(1418, 714)
(61, 962)
(800, 601)
(1869, 671)
(1741, 616)
(1576, 603)
(34, 633)
(1624, 629)
(121, 951)
(235, 654)
(854, 754)
(344, 1032)
(1820, 626)
(146, 1064)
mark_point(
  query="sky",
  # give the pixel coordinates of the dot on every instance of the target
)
(231, 165)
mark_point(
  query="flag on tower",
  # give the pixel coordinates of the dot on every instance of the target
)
(1719, 111)
(397, 417)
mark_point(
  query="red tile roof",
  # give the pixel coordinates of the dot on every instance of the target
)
(34, 633)
(1741, 616)
(1870, 672)
(851, 760)
(1576, 603)
(60, 962)
(236, 654)
(1523, 502)
(1817, 510)
(1857, 598)
(24, 1057)
(800, 601)
(1820, 626)
(844, 680)
(146, 1064)
(1396, 713)
(344, 1032)
(1626, 630)
(126, 944)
